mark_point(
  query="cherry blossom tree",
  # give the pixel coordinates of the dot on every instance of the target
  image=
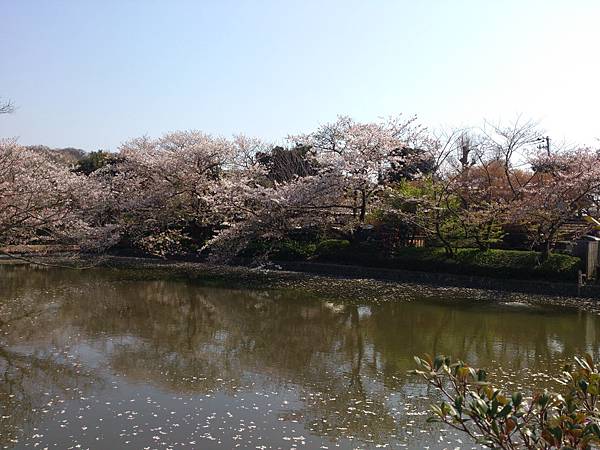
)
(161, 187)
(330, 177)
(360, 156)
(41, 200)
(562, 186)
(510, 180)
(268, 213)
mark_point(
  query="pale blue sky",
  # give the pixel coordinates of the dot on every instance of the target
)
(92, 74)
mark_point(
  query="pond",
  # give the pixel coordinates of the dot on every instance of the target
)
(108, 359)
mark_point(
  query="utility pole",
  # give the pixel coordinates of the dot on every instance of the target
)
(544, 144)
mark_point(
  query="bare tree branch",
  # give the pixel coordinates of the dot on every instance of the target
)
(6, 107)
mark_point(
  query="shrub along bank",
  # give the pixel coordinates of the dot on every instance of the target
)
(510, 264)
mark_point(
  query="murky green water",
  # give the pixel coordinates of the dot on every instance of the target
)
(98, 359)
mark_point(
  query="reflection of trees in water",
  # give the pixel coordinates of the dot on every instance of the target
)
(344, 361)
(191, 331)
(483, 335)
(349, 404)
(29, 383)
(31, 380)
(199, 340)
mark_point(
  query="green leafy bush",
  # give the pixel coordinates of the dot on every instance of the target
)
(501, 420)
(332, 248)
(291, 250)
(559, 263)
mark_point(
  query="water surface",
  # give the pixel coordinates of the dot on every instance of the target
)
(107, 359)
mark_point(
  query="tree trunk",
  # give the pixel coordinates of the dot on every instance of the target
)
(547, 247)
(481, 244)
(447, 246)
(363, 207)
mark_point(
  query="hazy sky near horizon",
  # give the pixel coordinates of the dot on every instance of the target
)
(91, 74)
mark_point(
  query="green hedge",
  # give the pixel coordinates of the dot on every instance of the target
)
(499, 263)
(290, 250)
(510, 264)
(468, 261)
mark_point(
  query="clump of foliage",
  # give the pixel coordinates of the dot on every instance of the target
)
(501, 420)
(330, 248)
(92, 162)
(291, 250)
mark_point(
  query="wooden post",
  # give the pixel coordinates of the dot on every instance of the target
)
(580, 282)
